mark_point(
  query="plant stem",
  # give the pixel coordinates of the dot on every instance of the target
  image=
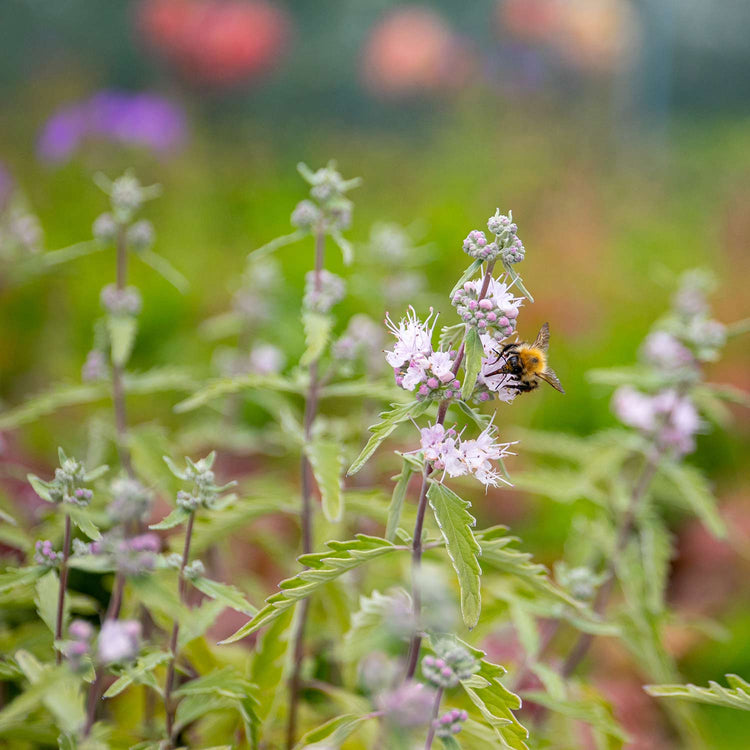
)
(168, 707)
(627, 525)
(91, 701)
(118, 387)
(306, 515)
(416, 641)
(435, 711)
(63, 587)
(115, 600)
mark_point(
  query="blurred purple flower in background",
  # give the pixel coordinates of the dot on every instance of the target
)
(141, 119)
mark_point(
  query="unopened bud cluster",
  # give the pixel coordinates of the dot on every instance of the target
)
(126, 196)
(204, 491)
(131, 501)
(580, 580)
(67, 486)
(494, 314)
(409, 705)
(506, 246)
(45, 554)
(323, 290)
(328, 209)
(450, 723)
(121, 301)
(450, 664)
(78, 645)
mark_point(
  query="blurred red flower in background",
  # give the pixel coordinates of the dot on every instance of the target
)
(413, 50)
(215, 42)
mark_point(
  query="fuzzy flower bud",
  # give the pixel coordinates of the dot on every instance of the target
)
(322, 291)
(119, 641)
(510, 249)
(450, 723)
(409, 705)
(127, 195)
(194, 570)
(104, 228)
(477, 247)
(95, 367)
(131, 501)
(188, 501)
(141, 235)
(121, 301)
(45, 554)
(450, 664)
(305, 215)
(495, 314)
(78, 645)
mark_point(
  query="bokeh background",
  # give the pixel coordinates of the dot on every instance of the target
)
(618, 132)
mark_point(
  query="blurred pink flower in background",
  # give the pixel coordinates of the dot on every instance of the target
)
(216, 42)
(413, 50)
(595, 36)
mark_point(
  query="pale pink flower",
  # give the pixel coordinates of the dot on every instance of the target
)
(413, 339)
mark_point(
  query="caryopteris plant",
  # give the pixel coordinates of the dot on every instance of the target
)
(128, 614)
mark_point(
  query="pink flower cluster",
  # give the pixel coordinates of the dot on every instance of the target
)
(669, 418)
(445, 450)
(415, 365)
(494, 314)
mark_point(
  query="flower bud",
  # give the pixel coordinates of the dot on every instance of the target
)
(119, 641)
(104, 228)
(141, 235)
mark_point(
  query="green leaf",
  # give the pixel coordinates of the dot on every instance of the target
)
(196, 621)
(481, 420)
(225, 593)
(466, 276)
(175, 518)
(736, 696)
(695, 492)
(516, 279)
(226, 682)
(47, 592)
(450, 743)
(140, 672)
(228, 386)
(455, 524)
(334, 731)
(322, 568)
(80, 517)
(397, 500)
(347, 252)
(389, 420)
(157, 380)
(121, 330)
(499, 553)
(317, 332)
(275, 244)
(327, 460)
(165, 269)
(15, 578)
(40, 487)
(267, 670)
(473, 354)
(62, 696)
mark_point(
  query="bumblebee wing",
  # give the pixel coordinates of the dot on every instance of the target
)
(549, 376)
(542, 338)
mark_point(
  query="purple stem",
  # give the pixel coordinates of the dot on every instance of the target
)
(63, 587)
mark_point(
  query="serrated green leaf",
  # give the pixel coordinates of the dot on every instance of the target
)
(196, 621)
(175, 518)
(227, 386)
(225, 593)
(121, 330)
(334, 731)
(327, 461)
(455, 524)
(695, 493)
(192, 707)
(466, 276)
(80, 517)
(322, 568)
(139, 673)
(736, 696)
(226, 682)
(317, 327)
(389, 420)
(267, 670)
(15, 578)
(397, 499)
(473, 354)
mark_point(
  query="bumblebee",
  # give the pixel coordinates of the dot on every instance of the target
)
(526, 364)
